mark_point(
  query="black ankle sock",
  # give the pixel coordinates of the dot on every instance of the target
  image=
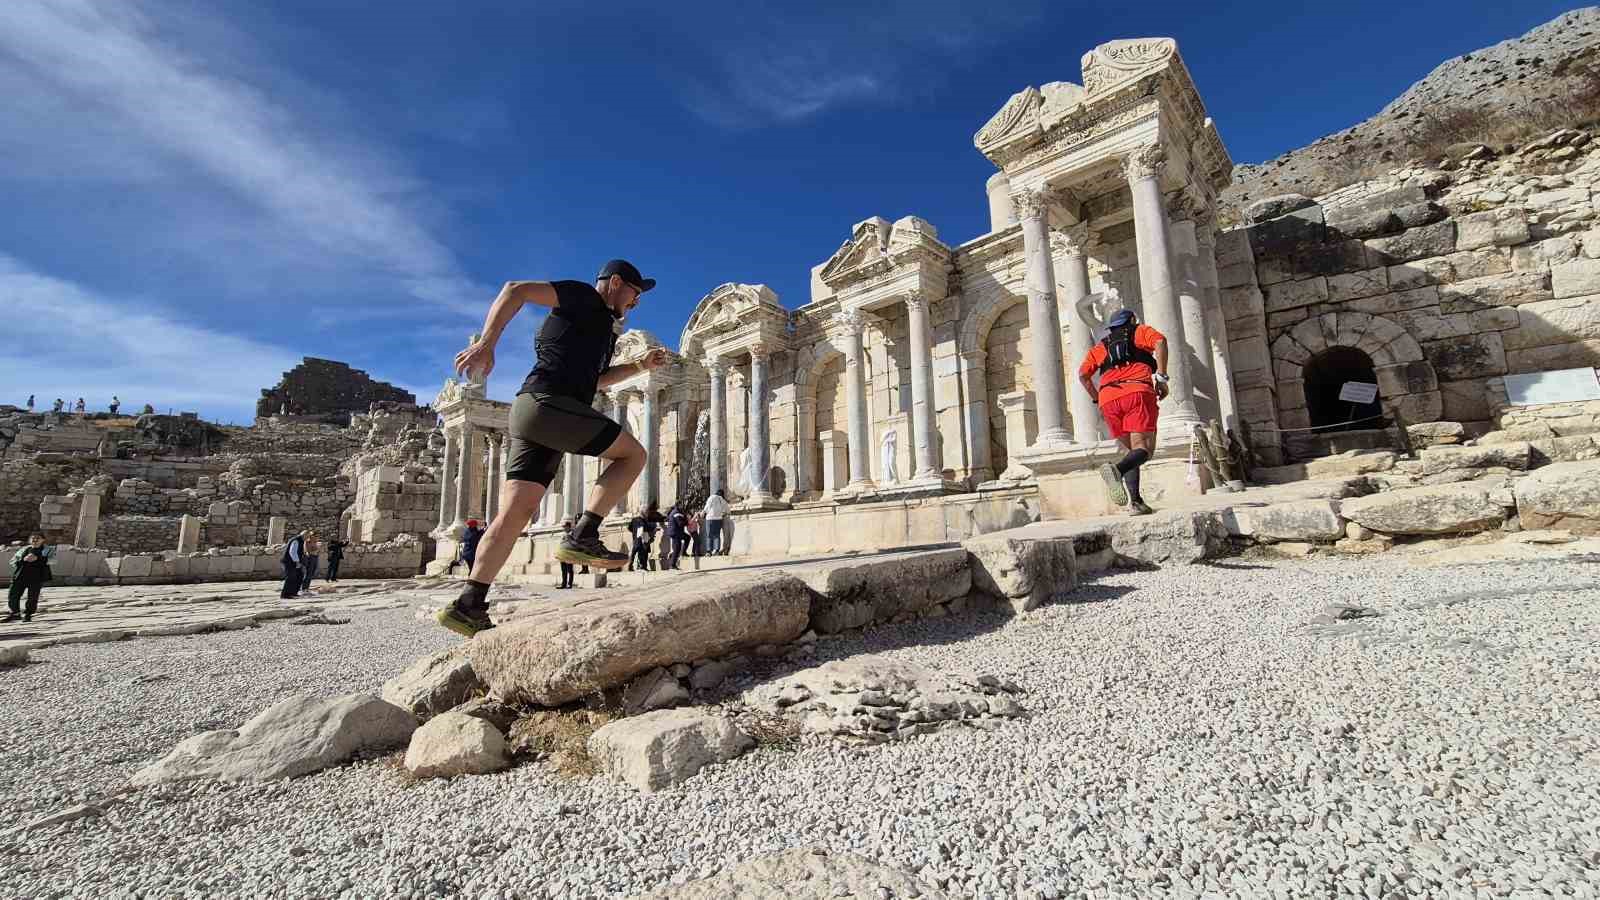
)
(475, 594)
(1131, 479)
(1132, 461)
(588, 525)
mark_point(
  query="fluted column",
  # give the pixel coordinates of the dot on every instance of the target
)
(1216, 323)
(761, 451)
(1080, 337)
(464, 467)
(719, 424)
(491, 486)
(447, 481)
(1143, 169)
(859, 445)
(924, 435)
(1044, 318)
(652, 448)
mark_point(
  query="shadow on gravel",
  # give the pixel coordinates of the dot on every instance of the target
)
(1094, 592)
(1231, 565)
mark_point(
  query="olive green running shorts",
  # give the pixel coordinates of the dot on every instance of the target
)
(545, 426)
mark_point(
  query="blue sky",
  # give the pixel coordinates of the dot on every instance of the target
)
(197, 194)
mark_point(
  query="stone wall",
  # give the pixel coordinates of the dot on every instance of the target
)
(392, 501)
(400, 558)
(323, 387)
(139, 534)
(25, 484)
(1446, 279)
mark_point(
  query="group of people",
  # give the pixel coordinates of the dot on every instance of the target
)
(301, 557)
(553, 415)
(80, 408)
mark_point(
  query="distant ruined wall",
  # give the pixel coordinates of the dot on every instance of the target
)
(324, 387)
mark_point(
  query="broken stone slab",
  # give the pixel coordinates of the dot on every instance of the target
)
(1344, 612)
(434, 684)
(878, 590)
(295, 736)
(455, 743)
(569, 651)
(14, 654)
(655, 689)
(1561, 495)
(1443, 509)
(1182, 536)
(709, 675)
(1315, 521)
(665, 747)
(1026, 572)
(872, 699)
(1351, 463)
(1428, 434)
(807, 874)
(1509, 455)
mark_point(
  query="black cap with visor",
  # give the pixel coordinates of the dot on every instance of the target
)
(627, 272)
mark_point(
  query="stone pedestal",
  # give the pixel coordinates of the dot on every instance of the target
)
(275, 527)
(188, 534)
(835, 462)
(88, 522)
(1021, 426)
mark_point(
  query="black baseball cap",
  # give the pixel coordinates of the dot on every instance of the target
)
(628, 273)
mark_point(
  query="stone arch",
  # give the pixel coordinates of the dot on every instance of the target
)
(975, 325)
(1407, 383)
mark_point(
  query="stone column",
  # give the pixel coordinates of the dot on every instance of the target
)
(618, 411)
(465, 465)
(975, 414)
(760, 445)
(805, 450)
(188, 534)
(447, 480)
(924, 431)
(275, 529)
(1044, 318)
(652, 448)
(859, 442)
(88, 522)
(1191, 301)
(1080, 336)
(573, 486)
(1143, 169)
(835, 467)
(1002, 212)
(1216, 323)
(492, 479)
(719, 424)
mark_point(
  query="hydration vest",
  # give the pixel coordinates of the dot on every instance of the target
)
(1121, 351)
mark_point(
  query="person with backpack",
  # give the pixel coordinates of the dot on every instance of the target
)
(677, 535)
(294, 562)
(471, 536)
(1131, 361)
(335, 555)
(30, 569)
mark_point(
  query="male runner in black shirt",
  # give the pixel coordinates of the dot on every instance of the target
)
(552, 415)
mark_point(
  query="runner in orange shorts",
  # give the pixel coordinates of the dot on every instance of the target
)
(1131, 361)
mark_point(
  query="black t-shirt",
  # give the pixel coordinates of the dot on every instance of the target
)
(574, 345)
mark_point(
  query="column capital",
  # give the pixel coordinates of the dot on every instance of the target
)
(716, 365)
(761, 352)
(1145, 161)
(1031, 203)
(851, 322)
(916, 299)
(1071, 241)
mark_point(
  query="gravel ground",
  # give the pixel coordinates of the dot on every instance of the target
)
(1190, 733)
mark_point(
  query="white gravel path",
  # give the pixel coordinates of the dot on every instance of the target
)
(1189, 734)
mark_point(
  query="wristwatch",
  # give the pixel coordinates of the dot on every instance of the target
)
(1160, 378)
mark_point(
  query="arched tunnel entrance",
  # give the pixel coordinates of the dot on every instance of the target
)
(1324, 376)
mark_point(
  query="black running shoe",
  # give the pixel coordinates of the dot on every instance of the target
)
(589, 551)
(1139, 508)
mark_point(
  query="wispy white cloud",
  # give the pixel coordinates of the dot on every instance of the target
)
(66, 341)
(112, 93)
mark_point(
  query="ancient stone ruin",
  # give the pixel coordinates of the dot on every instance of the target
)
(327, 391)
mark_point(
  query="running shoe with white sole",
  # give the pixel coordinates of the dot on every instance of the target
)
(464, 620)
(589, 551)
(1115, 490)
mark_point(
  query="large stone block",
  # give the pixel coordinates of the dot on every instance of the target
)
(1331, 258)
(1292, 294)
(1469, 356)
(434, 684)
(1465, 400)
(1438, 239)
(1374, 214)
(1511, 289)
(1025, 572)
(1396, 301)
(1353, 285)
(566, 652)
(1241, 302)
(1563, 495)
(1502, 227)
(1405, 378)
(1575, 278)
(850, 596)
(1556, 356)
(659, 749)
(1555, 322)
(1444, 509)
(1175, 537)
(1510, 455)
(1287, 234)
(1316, 521)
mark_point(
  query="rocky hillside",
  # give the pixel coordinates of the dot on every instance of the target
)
(1502, 95)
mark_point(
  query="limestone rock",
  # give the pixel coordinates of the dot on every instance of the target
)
(1510, 455)
(1175, 537)
(1315, 521)
(13, 655)
(1023, 571)
(665, 747)
(295, 736)
(1272, 207)
(1428, 434)
(1443, 509)
(872, 699)
(555, 656)
(1351, 463)
(1561, 495)
(709, 675)
(878, 590)
(433, 684)
(455, 743)
(655, 689)
(810, 874)
(490, 710)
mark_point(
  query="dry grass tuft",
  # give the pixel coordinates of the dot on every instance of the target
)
(395, 765)
(771, 732)
(559, 737)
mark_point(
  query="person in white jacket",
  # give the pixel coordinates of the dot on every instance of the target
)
(716, 511)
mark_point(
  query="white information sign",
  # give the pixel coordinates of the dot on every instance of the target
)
(1358, 392)
(1561, 386)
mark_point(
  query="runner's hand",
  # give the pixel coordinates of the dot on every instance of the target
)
(655, 359)
(476, 362)
(1161, 390)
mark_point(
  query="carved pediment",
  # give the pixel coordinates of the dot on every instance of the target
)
(1116, 62)
(635, 343)
(877, 249)
(1058, 100)
(727, 308)
(1017, 120)
(868, 243)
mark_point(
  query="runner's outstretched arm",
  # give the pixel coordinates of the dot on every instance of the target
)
(477, 361)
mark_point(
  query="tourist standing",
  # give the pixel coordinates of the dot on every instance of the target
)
(313, 557)
(79, 408)
(30, 569)
(59, 405)
(116, 404)
(553, 415)
(30, 403)
(335, 556)
(471, 536)
(293, 560)
(716, 511)
(566, 567)
(697, 530)
(678, 533)
(1132, 363)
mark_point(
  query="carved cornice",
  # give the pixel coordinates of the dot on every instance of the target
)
(1114, 62)
(1146, 161)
